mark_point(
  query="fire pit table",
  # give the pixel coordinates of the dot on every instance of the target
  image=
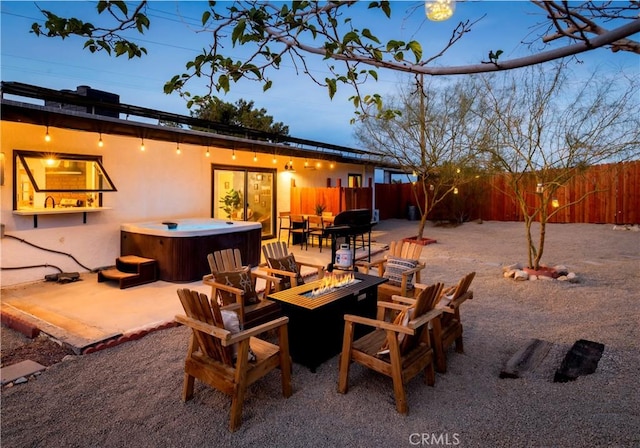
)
(316, 320)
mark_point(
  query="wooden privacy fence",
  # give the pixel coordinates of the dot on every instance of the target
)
(334, 199)
(616, 198)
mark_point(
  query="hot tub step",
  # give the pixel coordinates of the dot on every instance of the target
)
(131, 270)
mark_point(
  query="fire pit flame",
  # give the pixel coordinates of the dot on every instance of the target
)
(333, 281)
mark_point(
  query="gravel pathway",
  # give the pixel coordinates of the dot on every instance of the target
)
(129, 396)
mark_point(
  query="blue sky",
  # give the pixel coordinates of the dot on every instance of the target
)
(294, 99)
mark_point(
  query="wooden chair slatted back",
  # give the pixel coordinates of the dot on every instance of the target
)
(463, 285)
(225, 260)
(315, 222)
(197, 306)
(404, 249)
(425, 302)
(276, 250)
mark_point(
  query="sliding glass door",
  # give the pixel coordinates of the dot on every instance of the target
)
(245, 194)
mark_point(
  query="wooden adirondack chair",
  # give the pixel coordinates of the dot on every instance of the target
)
(233, 293)
(401, 280)
(210, 355)
(448, 328)
(406, 340)
(292, 276)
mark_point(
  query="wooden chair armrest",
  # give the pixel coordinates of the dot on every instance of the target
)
(392, 306)
(208, 277)
(426, 317)
(291, 275)
(457, 302)
(254, 331)
(231, 289)
(412, 271)
(318, 267)
(264, 276)
(378, 324)
(204, 327)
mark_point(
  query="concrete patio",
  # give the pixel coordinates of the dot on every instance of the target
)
(85, 313)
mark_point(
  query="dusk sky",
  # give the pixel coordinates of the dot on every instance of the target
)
(294, 99)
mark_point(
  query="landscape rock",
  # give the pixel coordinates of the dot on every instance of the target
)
(521, 276)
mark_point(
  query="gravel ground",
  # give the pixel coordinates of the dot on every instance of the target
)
(129, 396)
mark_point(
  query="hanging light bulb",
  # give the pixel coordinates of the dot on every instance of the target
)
(207, 154)
(318, 164)
(100, 142)
(274, 160)
(142, 144)
(255, 156)
(178, 149)
(233, 154)
(306, 162)
(290, 162)
(47, 137)
(332, 165)
(439, 10)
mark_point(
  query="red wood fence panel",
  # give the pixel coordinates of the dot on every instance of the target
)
(612, 196)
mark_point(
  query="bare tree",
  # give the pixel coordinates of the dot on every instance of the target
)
(297, 31)
(432, 132)
(550, 128)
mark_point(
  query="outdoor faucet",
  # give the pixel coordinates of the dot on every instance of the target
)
(53, 202)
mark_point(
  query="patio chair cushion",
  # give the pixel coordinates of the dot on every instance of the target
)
(231, 322)
(240, 279)
(394, 269)
(288, 264)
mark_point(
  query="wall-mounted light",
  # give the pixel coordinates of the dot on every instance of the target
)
(100, 142)
(439, 10)
(540, 188)
(47, 137)
(142, 144)
(178, 149)
(289, 167)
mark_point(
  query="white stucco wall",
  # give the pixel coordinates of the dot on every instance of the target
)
(154, 184)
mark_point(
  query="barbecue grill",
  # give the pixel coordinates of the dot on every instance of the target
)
(348, 226)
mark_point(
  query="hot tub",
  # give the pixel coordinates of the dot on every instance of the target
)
(182, 251)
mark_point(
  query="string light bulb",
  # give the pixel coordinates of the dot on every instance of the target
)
(233, 154)
(439, 10)
(100, 142)
(178, 149)
(207, 154)
(306, 162)
(290, 162)
(142, 145)
(47, 137)
(255, 156)
(332, 165)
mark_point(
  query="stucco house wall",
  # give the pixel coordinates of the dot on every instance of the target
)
(156, 184)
